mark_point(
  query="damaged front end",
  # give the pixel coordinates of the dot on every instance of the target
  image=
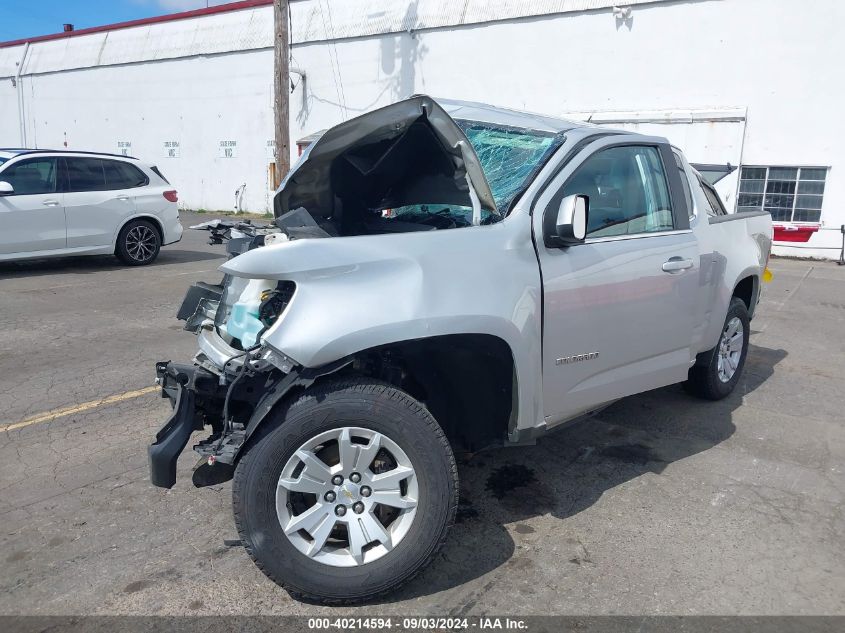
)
(233, 381)
(405, 168)
(232, 403)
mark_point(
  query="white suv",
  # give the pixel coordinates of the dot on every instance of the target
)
(59, 203)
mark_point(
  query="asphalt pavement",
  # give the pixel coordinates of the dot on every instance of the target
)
(662, 504)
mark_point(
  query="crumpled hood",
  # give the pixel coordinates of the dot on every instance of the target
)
(410, 152)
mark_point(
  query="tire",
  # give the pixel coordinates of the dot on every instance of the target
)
(261, 502)
(138, 243)
(714, 375)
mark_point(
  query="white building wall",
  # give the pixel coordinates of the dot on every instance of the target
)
(196, 102)
(197, 82)
(203, 80)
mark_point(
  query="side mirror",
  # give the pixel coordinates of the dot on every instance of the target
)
(571, 223)
(6, 188)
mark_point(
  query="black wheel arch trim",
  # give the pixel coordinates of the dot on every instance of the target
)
(148, 218)
(298, 378)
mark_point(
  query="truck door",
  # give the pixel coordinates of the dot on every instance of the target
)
(618, 309)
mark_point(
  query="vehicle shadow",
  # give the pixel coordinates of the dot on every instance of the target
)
(82, 265)
(569, 470)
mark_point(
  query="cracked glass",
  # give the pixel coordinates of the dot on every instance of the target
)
(510, 157)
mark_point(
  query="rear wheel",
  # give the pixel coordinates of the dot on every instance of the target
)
(348, 494)
(717, 371)
(138, 243)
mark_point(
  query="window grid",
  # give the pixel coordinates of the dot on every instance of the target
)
(789, 194)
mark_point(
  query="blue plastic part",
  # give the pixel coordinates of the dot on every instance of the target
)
(243, 323)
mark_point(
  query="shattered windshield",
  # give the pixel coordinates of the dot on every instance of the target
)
(510, 157)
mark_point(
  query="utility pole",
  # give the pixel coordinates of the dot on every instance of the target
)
(281, 96)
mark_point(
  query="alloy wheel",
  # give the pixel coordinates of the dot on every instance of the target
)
(141, 243)
(730, 349)
(347, 497)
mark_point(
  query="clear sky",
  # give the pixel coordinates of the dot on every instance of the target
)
(28, 18)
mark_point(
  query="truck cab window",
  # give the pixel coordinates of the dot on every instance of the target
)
(684, 184)
(627, 189)
(715, 206)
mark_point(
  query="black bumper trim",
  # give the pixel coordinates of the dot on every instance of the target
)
(188, 386)
(171, 440)
(195, 294)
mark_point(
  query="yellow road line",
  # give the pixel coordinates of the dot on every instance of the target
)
(47, 416)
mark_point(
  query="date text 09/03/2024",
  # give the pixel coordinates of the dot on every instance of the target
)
(417, 623)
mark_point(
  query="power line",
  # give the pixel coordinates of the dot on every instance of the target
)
(334, 61)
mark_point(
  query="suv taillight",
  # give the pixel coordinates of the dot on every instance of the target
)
(171, 196)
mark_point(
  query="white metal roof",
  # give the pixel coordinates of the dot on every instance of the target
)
(318, 20)
(252, 28)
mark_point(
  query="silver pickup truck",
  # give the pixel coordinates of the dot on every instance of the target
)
(440, 277)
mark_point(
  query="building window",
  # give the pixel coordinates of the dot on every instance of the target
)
(790, 194)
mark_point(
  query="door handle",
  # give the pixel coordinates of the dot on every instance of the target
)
(51, 203)
(677, 265)
(123, 198)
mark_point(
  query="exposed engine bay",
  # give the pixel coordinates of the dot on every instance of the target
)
(406, 167)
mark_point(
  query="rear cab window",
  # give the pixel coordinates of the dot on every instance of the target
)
(714, 206)
(684, 183)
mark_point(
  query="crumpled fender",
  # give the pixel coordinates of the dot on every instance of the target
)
(355, 293)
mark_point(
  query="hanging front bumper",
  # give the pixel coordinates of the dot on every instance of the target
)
(181, 384)
(171, 440)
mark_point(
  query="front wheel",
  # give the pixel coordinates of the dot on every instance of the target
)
(717, 371)
(348, 493)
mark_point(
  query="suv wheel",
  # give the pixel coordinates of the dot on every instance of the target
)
(348, 493)
(138, 243)
(717, 371)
